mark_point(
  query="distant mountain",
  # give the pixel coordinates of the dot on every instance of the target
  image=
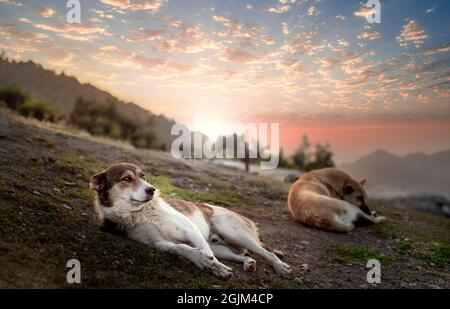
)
(391, 175)
(60, 91)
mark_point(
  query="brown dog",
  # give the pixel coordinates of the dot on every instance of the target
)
(329, 199)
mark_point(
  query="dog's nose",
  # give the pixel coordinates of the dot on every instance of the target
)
(150, 191)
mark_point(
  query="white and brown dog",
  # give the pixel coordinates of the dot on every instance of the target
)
(126, 202)
(330, 199)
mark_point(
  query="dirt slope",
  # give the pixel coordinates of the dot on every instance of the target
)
(46, 218)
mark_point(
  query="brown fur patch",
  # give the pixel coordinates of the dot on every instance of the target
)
(104, 181)
(186, 208)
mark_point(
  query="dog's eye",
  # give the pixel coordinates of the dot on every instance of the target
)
(127, 179)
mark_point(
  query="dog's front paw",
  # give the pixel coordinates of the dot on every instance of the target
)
(221, 270)
(282, 268)
(380, 219)
(250, 265)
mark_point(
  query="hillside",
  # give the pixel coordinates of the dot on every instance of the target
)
(47, 218)
(412, 174)
(60, 92)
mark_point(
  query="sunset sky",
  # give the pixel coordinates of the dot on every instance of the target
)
(315, 66)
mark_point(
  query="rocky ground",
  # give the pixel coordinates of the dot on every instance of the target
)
(47, 218)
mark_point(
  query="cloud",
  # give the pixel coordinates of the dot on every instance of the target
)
(148, 34)
(412, 32)
(369, 35)
(312, 11)
(248, 7)
(430, 10)
(9, 31)
(241, 56)
(151, 5)
(46, 12)
(71, 28)
(445, 47)
(11, 2)
(340, 17)
(109, 48)
(186, 39)
(364, 11)
(237, 29)
(61, 59)
(285, 28)
(282, 7)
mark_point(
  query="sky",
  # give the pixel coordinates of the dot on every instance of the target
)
(317, 67)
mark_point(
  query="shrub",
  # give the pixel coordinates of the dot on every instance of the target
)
(143, 138)
(105, 120)
(16, 99)
(38, 110)
(13, 96)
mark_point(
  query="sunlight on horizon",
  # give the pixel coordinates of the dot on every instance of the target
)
(313, 66)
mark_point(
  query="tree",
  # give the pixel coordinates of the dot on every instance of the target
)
(305, 160)
(283, 161)
(302, 156)
(13, 96)
(323, 157)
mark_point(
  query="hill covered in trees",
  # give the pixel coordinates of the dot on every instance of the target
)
(61, 92)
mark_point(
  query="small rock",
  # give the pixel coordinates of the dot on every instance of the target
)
(56, 190)
(299, 247)
(37, 193)
(29, 140)
(305, 267)
(363, 286)
(84, 214)
(304, 242)
(4, 127)
(68, 183)
(298, 280)
(216, 286)
(67, 206)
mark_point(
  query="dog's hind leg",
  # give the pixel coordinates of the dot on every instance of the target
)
(242, 233)
(223, 252)
(201, 258)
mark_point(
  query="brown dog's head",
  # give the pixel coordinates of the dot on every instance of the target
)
(355, 194)
(122, 185)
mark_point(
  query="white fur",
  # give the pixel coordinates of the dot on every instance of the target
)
(158, 224)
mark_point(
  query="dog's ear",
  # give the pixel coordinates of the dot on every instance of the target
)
(348, 189)
(362, 182)
(97, 181)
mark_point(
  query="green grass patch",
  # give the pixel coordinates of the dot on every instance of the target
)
(222, 196)
(429, 252)
(436, 253)
(356, 254)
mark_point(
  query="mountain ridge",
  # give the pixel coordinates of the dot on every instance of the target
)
(416, 173)
(46, 85)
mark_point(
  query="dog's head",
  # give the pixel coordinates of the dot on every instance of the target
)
(123, 185)
(354, 193)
